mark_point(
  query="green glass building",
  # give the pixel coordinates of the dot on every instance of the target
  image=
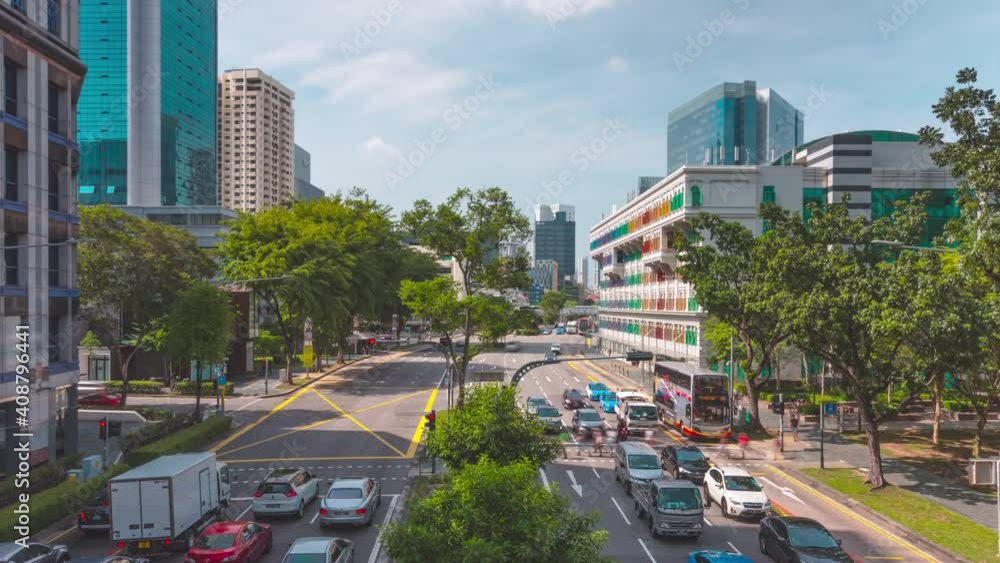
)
(147, 113)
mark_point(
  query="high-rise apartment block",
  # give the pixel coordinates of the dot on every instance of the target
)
(42, 78)
(256, 141)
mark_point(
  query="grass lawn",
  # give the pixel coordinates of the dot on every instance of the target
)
(932, 521)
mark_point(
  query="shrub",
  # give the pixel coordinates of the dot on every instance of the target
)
(42, 477)
(138, 387)
(54, 504)
(152, 432)
(190, 439)
(809, 409)
(957, 406)
(186, 387)
(766, 397)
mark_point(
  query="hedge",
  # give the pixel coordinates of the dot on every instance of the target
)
(809, 409)
(54, 504)
(152, 432)
(957, 406)
(186, 387)
(42, 477)
(190, 439)
(139, 387)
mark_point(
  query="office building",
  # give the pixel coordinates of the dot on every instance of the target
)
(555, 237)
(256, 141)
(544, 277)
(39, 299)
(645, 305)
(304, 188)
(732, 123)
(207, 223)
(147, 113)
(583, 273)
(646, 182)
(513, 248)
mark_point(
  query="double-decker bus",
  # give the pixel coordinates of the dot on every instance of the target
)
(693, 400)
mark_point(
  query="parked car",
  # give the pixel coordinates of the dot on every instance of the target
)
(560, 330)
(533, 402)
(100, 399)
(237, 542)
(285, 491)
(711, 556)
(587, 419)
(609, 400)
(791, 539)
(350, 500)
(320, 550)
(546, 331)
(685, 462)
(33, 553)
(95, 516)
(574, 399)
(551, 417)
(736, 492)
(596, 390)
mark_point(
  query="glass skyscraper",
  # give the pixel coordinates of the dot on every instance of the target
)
(555, 239)
(147, 112)
(732, 123)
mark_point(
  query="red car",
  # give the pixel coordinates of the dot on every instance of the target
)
(100, 399)
(231, 542)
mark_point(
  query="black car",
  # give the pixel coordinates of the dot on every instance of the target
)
(685, 462)
(33, 553)
(799, 540)
(574, 399)
(95, 515)
(110, 559)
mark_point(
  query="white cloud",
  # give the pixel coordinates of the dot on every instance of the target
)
(394, 79)
(292, 53)
(617, 64)
(376, 147)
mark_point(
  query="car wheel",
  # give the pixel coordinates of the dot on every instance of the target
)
(638, 510)
(677, 473)
(725, 507)
(708, 497)
(762, 543)
(270, 545)
(628, 488)
(652, 527)
(302, 510)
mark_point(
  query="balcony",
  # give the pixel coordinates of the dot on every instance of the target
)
(615, 270)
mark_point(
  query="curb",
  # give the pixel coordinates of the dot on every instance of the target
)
(381, 556)
(933, 549)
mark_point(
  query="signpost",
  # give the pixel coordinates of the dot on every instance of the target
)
(220, 380)
(987, 472)
(828, 409)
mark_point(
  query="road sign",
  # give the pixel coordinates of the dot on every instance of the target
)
(830, 409)
(222, 380)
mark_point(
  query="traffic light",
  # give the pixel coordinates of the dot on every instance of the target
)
(431, 420)
(778, 405)
(371, 341)
(104, 428)
(635, 357)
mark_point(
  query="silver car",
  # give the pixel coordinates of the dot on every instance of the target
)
(350, 500)
(588, 420)
(320, 550)
(33, 553)
(551, 417)
(285, 491)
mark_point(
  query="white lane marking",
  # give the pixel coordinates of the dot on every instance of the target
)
(378, 541)
(246, 405)
(620, 511)
(709, 522)
(784, 490)
(240, 517)
(596, 474)
(736, 551)
(646, 549)
(575, 487)
(545, 480)
(549, 379)
(313, 521)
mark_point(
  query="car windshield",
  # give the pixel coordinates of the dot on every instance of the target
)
(610, 397)
(642, 412)
(590, 416)
(690, 455)
(547, 412)
(574, 394)
(536, 401)
(274, 488)
(598, 387)
(215, 541)
(643, 461)
(810, 537)
(341, 493)
(739, 483)
(305, 558)
(679, 499)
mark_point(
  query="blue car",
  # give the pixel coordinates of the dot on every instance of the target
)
(608, 401)
(710, 556)
(560, 330)
(596, 390)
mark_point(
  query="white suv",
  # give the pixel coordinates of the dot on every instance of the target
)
(736, 492)
(555, 348)
(285, 491)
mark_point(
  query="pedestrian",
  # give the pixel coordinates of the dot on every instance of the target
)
(598, 443)
(622, 431)
(795, 426)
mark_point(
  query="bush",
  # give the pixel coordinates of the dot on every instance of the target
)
(138, 387)
(766, 397)
(186, 387)
(957, 406)
(52, 505)
(191, 439)
(809, 409)
(152, 432)
(42, 477)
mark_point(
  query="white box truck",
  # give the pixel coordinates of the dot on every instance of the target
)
(164, 504)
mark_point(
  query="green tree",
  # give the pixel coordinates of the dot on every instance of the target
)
(552, 302)
(492, 425)
(526, 321)
(198, 329)
(720, 335)
(90, 340)
(469, 227)
(732, 280)
(412, 265)
(130, 275)
(979, 387)
(494, 513)
(493, 317)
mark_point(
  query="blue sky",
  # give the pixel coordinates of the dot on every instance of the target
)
(506, 92)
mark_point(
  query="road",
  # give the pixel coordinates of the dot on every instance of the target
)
(629, 538)
(361, 421)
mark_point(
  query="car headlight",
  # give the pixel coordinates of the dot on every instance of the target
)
(697, 526)
(735, 502)
(230, 558)
(188, 560)
(682, 470)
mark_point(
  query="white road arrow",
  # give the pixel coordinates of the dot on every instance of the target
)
(572, 479)
(784, 490)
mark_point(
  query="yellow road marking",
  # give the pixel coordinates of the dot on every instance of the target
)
(600, 369)
(852, 514)
(585, 374)
(412, 450)
(255, 424)
(356, 421)
(886, 557)
(320, 423)
(60, 534)
(334, 458)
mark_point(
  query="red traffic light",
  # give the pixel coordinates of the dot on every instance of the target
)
(104, 422)
(371, 341)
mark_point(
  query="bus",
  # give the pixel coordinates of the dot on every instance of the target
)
(693, 400)
(571, 328)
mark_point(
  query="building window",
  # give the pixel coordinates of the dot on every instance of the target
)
(54, 266)
(54, 16)
(10, 174)
(18, 5)
(54, 109)
(11, 257)
(54, 191)
(768, 194)
(695, 196)
(10, 86)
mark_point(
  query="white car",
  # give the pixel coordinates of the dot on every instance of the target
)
(285, 491)
(736, 492)
(555, 348)
(627, 396)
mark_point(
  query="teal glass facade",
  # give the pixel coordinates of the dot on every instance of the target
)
(102, 123)
(717, 127)
(186, 57)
